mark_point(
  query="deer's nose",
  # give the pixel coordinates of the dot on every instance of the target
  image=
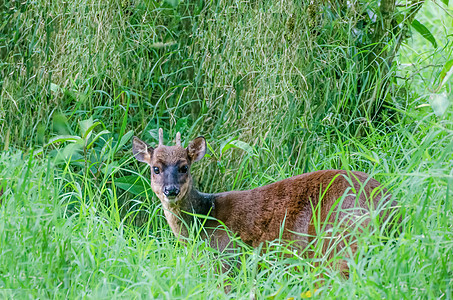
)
(171, 191)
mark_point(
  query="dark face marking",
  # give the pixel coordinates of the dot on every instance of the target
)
(171, 179)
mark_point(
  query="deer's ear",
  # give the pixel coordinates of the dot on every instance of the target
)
(196, 149)
(141, 150)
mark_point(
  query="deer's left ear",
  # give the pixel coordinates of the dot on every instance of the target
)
(196, 149)
(141, 150)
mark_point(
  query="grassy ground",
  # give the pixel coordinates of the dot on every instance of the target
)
(76, 217)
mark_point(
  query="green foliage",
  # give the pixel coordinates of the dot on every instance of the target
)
(210, 63)
(137, 185)
(445, 70)
(429, 71)
(424, 32)
(62, 240)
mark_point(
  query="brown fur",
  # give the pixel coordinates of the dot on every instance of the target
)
(300, 203)
(257, 215)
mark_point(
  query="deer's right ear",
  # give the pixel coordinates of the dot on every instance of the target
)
(141, 150)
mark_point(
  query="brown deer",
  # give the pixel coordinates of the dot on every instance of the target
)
(302, 204)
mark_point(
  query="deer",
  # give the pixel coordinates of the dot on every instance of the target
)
(301, 204)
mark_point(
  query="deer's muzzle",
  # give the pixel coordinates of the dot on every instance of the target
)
(171, 191)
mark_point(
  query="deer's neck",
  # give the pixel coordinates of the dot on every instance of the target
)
(179, 215)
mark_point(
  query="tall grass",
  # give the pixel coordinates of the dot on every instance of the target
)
(204, 65)
(76, 216)
(50, 251)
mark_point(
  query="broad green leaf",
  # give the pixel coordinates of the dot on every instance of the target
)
(243, 146)
(226, 145)
(445, 2)
(134, 184)
(124, 139)
(90, 130)
(96, 137)
(439, 103)
(64, 138)
(424, 32)
(211, 150)
(445, 70)
(84, 125)
(69, 152)
(87, 131)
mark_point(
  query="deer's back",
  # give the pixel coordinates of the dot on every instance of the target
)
(258, 215)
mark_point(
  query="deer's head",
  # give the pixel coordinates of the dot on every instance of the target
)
(170, 165)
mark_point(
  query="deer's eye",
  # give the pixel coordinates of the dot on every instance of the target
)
(156, 170)
(184, 169)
